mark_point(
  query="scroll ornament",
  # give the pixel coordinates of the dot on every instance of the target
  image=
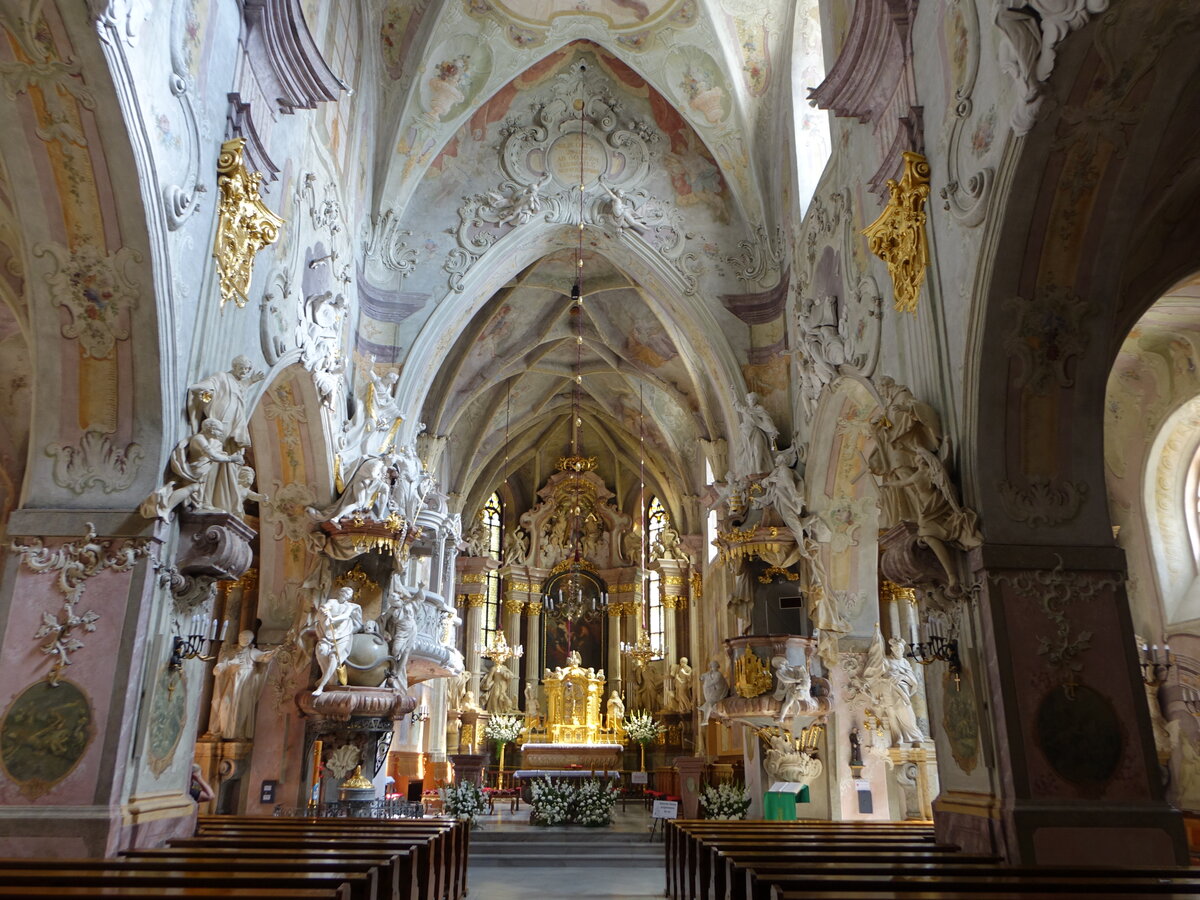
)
(244, 226)
(898, 235)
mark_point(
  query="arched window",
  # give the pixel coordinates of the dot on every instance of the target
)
(493, 525)
(656, 519)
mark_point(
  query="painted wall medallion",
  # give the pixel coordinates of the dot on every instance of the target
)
(44, 734)
(961, 721)
(168, 716)
(1079, 734)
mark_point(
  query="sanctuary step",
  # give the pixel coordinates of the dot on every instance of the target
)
(575, 846)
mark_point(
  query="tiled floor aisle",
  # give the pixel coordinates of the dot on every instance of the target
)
(563, 883)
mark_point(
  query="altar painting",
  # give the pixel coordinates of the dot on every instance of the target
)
(585, 636)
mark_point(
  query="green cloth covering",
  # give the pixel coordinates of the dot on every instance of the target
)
(779, 806)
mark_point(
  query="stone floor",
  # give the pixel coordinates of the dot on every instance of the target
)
(564, 882)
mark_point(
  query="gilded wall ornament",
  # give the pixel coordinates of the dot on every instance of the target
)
(244, 226)
(75, 562)
(898, 235)
(752, 677)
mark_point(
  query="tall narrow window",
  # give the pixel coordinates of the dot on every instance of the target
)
(656, 520)
(493, 525)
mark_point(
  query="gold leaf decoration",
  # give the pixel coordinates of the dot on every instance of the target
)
(244, 223)
(898, 235)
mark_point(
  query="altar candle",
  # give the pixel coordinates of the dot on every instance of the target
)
(224, 628)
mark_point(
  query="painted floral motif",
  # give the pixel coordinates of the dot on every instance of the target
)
(96, 290)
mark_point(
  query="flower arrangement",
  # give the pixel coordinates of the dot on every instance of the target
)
(642, 727)
(552, 801)
(503, 729)
(463, 800)
(727, 800)
(594, 803)
(560, 803)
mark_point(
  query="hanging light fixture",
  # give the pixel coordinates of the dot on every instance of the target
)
(576, 592)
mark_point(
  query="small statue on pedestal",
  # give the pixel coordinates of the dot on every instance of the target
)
(338, 620)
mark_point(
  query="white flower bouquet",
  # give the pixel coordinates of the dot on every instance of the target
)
(727, 800)
(463, 800)
(552, 802)
(642, 727)
(594, 803)
(503, 729)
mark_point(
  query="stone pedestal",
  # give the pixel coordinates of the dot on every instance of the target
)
(915, 772)
(468, 767)
(691, 782)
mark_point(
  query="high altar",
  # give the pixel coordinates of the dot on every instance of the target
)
(577, 736)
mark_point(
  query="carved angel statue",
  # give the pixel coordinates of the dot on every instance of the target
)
(521, 205)
(714, 687)
(758, 436)
(533, 706)
(477, 540)
(909, 461)
(517, 551)
(793, 688)
(667, 545)
(624, 213)
(382, 408)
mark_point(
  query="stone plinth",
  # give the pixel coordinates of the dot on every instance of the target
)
(468, 766)
(691, 780)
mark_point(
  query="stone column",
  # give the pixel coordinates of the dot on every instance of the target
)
(435, 731)
(1074, 778)
(472, 572)
(513, 607)
(616, 612)
(533, 649)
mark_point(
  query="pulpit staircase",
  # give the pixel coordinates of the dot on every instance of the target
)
(533, 847)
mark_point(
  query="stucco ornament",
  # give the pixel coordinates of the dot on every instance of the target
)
(244, 223)
(1047, 334)
(1032, 31)
(836, 335)
(237, 680)
(338, 619)
(543, 181)
(207, 477)
(1043, 502)
(714, 687)
(73, 564)
(95, 463)
(892, 684)
(784, 762)
(96, 290)
(399, 624)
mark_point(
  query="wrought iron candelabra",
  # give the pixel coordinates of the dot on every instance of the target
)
(938, 647)
(1156, 664)
(420, 714)
(200, 634)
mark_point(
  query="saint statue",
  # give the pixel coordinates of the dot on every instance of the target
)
(469, 704)
(399, 623)
(909, 462)
(616, 710)
(758, 435)
(517, 551)
(892, 683)
(533, 706)
(456, 688)
(207, 474)
(681, 685)
(496, 698)
(222, 396)
(714, 687)
(367, 491)
(338, 620)
(237, 679)
(647, 688)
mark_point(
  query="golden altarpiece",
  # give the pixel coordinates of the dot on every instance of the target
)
(574, 732)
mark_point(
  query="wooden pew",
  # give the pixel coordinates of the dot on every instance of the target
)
(761, 881)
(780, 894)
(397, 869)
(169, 893)
(346, 885)
(433, 881)
(450, 838)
